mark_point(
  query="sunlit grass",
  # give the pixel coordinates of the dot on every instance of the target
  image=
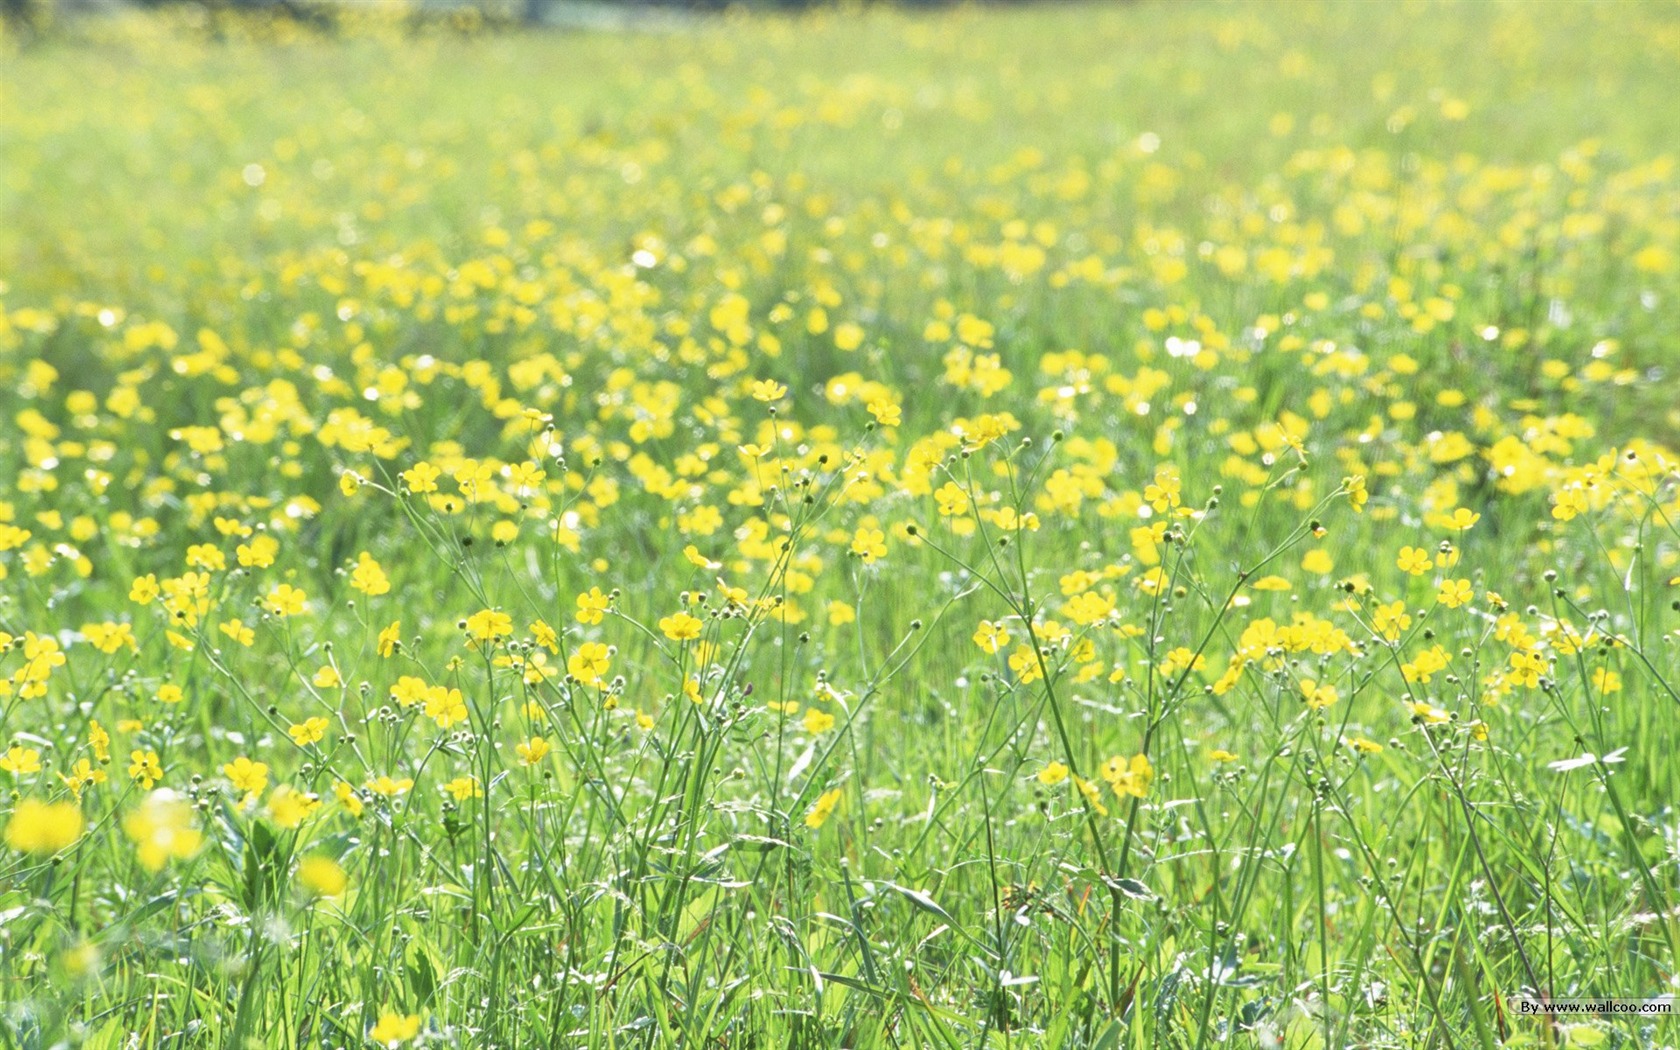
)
(1083, 526)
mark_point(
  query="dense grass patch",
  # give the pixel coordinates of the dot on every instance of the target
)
(1085, 526)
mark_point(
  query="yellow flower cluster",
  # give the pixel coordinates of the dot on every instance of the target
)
(471, 503)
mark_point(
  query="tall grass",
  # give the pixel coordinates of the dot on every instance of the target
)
(1080, 526)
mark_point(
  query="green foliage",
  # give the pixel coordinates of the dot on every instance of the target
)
(1084, 526)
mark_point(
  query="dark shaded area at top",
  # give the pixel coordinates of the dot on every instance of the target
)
(27, 14)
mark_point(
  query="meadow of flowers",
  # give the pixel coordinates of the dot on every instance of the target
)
(1092, 526)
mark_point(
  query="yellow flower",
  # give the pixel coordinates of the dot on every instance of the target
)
(368, 577)
(390, 638)
(1129, 778)
(238, 632)
(285, 600)
(533, 750)
(259, 553)
(463, 788)
(990, 637)
(848, 336)
(1569, 503)
(1023, 660)
(768, 390)
(12, 537)
(409, 690)
(1092, 795)
(19, 761)
(395, 1029)
(869, 544)
(591, 605)
(389, 786)
(327, 677)
(545, 636)
(206, 556)
(1414, 560)
(445, 706)
(1454, 593)
(109, 637)
(824, 808)
(82, 775)
(1318, 696)
(246, 775)
(1390, 620)
(43, 827)
(162, 829)
(422, 477)
(1356, 492)
(680, 627)
(322, 876)
(817, 721)
(1164, 493)
(1089, 608)
(145, 589)
(145, 768)
(589, 663)
(309, 731)
(1526, 668)
(290, 807)
(1053, 774)
(1427, 713)
(886, 413)
(700, 561)
(488, 625)
(348, 798)
(1462, 518)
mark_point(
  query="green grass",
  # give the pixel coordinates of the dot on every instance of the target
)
(688, 317)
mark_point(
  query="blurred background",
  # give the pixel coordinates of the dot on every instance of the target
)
(36, 15)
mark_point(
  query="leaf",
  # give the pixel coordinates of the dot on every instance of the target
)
(849, 982)
(801, 763)
(931, 906)
(261, 872)
(1166, 995)
(1131, 888)
(422, 976)
(1565, 765)
(761, 842)
(1109, 1039)
(925, 902)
